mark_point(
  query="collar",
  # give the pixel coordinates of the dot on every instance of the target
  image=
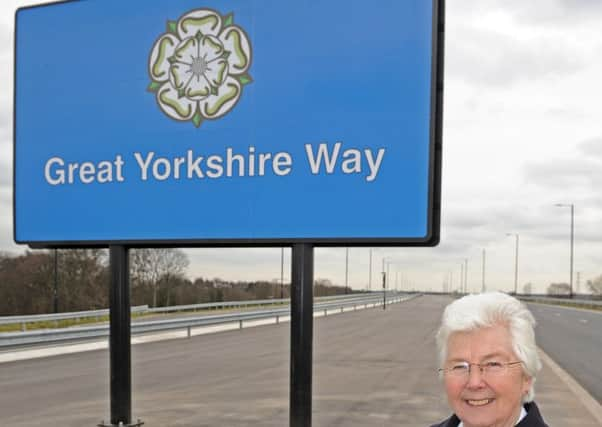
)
(523, 414)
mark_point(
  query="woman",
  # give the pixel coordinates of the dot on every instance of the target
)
(488, 361)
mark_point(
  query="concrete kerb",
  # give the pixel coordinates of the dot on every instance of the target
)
(580, 393)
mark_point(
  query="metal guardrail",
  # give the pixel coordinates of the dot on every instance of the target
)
(44, 336)
(571, 301)
(216, 305)
(55, 317)
(238, 304)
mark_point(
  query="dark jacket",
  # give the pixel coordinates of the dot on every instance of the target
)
(533, 418)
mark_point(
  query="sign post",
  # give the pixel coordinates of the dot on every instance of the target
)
(120, 342)
(301, 335)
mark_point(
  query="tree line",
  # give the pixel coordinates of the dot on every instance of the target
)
(64, 280)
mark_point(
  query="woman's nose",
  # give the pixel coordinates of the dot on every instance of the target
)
(475, 377)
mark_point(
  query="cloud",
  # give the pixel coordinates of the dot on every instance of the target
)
(6, 179)
(565, 174)
(535, 12)
(557, 12)
(489, 58)
(563, 114)
(592, 148)
(6, 162)
(578, 174)
(467, 227)
(6, 225)
(6, 104)
(244, 264)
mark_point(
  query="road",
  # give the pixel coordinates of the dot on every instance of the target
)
(573, 338)
(371, 368)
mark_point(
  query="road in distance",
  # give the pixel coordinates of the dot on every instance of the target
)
(573, 338)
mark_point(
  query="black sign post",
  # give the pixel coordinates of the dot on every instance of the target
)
(301, 334)
(384, 290)
(119, 342)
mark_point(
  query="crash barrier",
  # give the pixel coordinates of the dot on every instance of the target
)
(579, 303)
(85, 333)
(55, 317)
(98, 314)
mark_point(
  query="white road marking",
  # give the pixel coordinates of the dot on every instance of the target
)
(381, 416)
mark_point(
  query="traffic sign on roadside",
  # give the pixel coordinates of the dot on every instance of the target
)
(227, 123)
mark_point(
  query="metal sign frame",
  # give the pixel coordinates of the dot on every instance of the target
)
(434, 179)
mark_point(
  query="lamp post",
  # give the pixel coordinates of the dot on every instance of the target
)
(399, 279)
(282, 273)
(483, 283)
(386, 261)
(388, 275)
(572, 206)
(384, 284)
(515, 262)
(346, 270)
(370, 272)
(56, 282)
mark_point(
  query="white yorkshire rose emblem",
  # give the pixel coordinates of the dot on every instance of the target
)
(199, 66)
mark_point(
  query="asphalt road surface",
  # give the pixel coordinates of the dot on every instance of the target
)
(371, 368)
(573, 338)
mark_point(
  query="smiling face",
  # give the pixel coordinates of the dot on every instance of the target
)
(485, 399)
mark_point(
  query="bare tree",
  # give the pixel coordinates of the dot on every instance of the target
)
(595, 285)
(174, 262)
(83, 278)
(157, 267)
(559, 289)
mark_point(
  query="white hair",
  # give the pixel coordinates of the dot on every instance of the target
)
(488, 309)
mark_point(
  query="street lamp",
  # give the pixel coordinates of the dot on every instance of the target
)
(572, 206)
(56, 281)
(515, 262)
(385, 283)
(387, 261)
(397, 271)
(483, 283)
(282, 273)
(346, 269)
(370, 272)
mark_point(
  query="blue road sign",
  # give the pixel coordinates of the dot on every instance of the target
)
(227, 122)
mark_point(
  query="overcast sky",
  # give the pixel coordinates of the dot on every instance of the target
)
(522, 131)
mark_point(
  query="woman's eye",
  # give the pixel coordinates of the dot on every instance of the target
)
(460, 367)
(493, 365)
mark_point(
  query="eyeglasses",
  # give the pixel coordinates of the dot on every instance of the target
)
(462, 369)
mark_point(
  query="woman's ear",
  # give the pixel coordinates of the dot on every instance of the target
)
(527, 383)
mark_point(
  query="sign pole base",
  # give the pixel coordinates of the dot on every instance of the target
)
(136, 424)
(301, 334)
